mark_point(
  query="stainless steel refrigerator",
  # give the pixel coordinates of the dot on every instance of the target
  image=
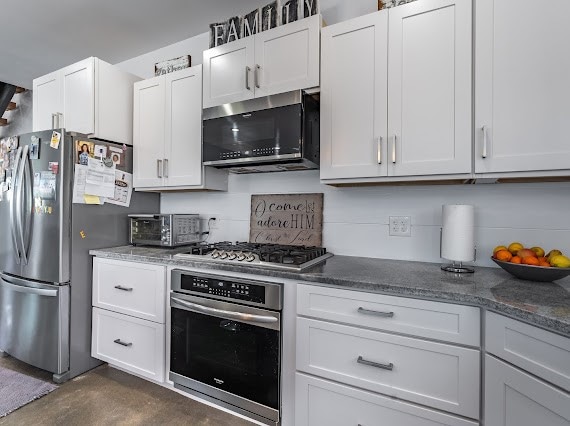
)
(45, 267)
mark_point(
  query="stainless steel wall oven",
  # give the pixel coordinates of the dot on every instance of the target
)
(226, 342)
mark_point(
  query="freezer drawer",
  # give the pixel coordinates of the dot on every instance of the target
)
(34, 323)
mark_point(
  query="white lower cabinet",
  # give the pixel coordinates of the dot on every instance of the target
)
(516, 398)
(438, 375)
(129, 313)
(131, 343)
(323, 403)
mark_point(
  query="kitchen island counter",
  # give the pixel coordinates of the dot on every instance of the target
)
(545, 305)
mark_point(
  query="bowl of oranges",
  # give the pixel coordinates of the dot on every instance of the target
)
(532, 263)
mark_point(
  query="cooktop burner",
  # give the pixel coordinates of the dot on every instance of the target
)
(274, 256)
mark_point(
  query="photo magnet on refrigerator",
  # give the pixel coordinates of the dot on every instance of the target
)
(55, 138)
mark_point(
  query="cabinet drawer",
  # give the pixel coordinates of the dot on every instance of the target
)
(323, 403)
(432, 320)
(537, 351)
(130, 343)
(130, 288)
(433, 374)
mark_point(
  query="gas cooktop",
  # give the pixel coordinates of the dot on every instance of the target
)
(274, 256)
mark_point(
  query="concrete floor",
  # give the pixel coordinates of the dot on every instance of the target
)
(106, 396)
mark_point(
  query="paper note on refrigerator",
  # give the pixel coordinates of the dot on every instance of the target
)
(100, 179)
(123, 189)
(79, 184)
(92, 199)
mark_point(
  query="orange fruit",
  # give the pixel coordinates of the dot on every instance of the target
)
(543, 259)
(544, 263)
(499, 248)
(503, 255)
(516, 259)
(530, 260)
(515, 247)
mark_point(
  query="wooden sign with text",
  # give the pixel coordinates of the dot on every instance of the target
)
(291, 219)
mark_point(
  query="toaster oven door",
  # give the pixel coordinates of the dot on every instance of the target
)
(147, 231)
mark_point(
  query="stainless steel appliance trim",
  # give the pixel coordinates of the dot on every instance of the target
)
(264, 159)
(241, 316)
(363, 361)
(226, 310)
(22, 286)
(14, 204)
(273, 291)
(220, 397)
(361, 310)
(251, 105)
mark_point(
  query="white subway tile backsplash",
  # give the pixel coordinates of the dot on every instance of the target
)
(356, 218)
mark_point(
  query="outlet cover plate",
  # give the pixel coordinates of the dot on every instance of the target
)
(400, 226)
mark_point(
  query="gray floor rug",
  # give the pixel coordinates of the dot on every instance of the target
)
(17, 390)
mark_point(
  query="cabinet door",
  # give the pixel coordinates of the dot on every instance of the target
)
(522, 86)
(228, 73)
(183, 150)
(47, 101)
(79, 97)
(148, 133)
(287, 57)
(515, 398)
(354, 98)
(429, 88)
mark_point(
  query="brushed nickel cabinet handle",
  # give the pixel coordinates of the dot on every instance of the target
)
(159, 168)
(120, 342)
(484, 152)
(361, 310)
(165, 167)
(120, 287)
(53, 120)
(256, 76)
(247, 71)
(379, 147)
(394, 149)
(363, 361)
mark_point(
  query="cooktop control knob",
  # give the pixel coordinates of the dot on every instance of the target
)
(249, 257)
(223, 255)
(232, 255)
(215, 254)
(240, 256)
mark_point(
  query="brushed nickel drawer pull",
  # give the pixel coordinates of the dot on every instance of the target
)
(120, 342)
(363, 361)
(120, 287)
(361, 310)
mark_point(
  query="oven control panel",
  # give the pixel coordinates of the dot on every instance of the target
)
(225, 288)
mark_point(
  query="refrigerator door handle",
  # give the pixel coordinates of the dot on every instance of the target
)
(21, 287)
(20, 203)
(28, 185)
(14, 204)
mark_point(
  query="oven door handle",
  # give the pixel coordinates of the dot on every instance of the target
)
(240, 316)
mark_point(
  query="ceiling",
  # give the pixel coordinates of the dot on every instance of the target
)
(40, 36)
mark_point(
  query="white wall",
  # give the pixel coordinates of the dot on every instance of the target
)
(356, 219)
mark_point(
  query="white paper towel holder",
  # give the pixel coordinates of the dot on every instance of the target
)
(456, 267)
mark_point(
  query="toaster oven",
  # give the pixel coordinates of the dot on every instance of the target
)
(165, 230)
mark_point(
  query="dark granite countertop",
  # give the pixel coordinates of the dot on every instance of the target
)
(546, 305)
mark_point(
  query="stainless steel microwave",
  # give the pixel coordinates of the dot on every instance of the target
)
(166, 230)
(273, 133)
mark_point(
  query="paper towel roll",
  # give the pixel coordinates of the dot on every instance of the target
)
(458, 233)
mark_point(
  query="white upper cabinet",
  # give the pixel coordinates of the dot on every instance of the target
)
(287, 57)
(148, 136)
(90, 97)
(168, 134)
(275, 61)
(396, 93)
(354, 98)
(522, 86)
(47, 101)
(228, 73)
(429, 88)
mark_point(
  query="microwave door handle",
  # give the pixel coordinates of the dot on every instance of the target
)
(14, 204)
(240, 316)
(19, 205)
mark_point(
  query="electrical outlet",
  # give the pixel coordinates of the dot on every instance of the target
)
(212, 223)
(401, 226)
